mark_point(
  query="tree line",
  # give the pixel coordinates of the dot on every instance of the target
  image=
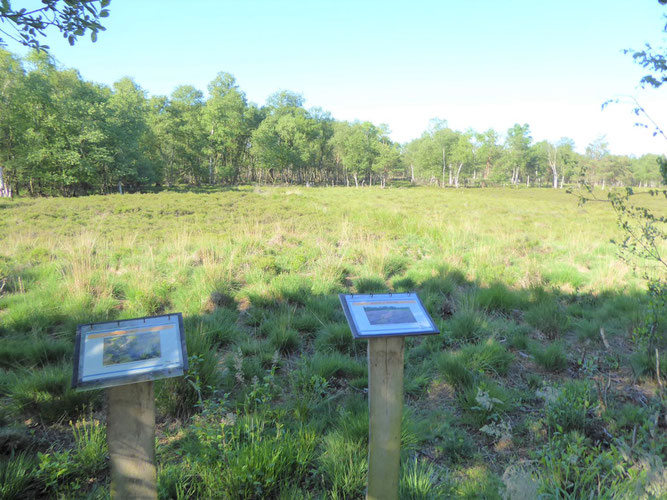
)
(62, 135)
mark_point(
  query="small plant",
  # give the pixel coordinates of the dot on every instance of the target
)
(468, 325)
(552, 358)
(420, 481)
(336, 337)
(570, 407)
(17, 476)
(454, 371)
(47, 395)
(343, 465)
(489, 357)
(549, 317)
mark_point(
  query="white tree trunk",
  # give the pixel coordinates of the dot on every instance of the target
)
(458, 172)
(356, 181)
(5, 192)
(412, 173)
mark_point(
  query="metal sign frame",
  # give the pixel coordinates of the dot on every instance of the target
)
(387, 315)
(128, 351)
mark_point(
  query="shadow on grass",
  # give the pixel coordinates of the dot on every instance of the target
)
(299, 342)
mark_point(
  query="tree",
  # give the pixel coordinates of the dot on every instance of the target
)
(517, 146)
(73, 18)
(223, 121)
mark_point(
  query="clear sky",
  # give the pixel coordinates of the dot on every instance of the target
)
(475, 63)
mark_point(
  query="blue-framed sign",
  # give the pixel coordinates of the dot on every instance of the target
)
(128, 351)
(387, 315)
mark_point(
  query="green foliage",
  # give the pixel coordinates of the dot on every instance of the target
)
(63, 472)
(46, 395)
(569, 407)
(261, 457)
(337, 337)
(571, 468)
(343, 465)
(489, 357)
(17, 475)
(548, 317)
(420, 481)
(179, 396)
(552, 357)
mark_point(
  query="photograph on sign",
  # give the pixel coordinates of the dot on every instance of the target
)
(387, 315)
(128, 351)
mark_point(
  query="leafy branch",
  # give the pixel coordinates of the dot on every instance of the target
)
(73, 18)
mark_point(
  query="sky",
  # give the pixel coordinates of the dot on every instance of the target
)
(477, 64)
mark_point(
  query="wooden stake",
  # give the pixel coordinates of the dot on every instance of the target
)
(385, 379)
(131, 438)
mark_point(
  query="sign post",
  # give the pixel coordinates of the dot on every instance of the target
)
(125, 357)
(384, 320)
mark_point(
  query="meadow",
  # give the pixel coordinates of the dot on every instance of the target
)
(537, 385)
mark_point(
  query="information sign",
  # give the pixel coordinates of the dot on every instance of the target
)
(387, 315)
(128, 351)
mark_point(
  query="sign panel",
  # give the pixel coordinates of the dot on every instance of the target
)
(129, 351)
(385, 315)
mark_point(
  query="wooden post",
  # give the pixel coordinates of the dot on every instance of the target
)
(131, 438)
(385, 379)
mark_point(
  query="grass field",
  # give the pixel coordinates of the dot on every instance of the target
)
(520, 395)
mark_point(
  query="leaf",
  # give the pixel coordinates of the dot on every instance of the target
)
(104, 13)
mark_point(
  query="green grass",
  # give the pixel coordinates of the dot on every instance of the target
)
(277, 390)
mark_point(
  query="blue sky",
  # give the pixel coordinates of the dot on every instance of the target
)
(478, 63)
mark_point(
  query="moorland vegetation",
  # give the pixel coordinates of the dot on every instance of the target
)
(539, 384)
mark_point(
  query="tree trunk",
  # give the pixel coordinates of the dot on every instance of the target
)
(5, 191)
(356, 181)
(444, 168)
(412, 173)
(458, 172)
